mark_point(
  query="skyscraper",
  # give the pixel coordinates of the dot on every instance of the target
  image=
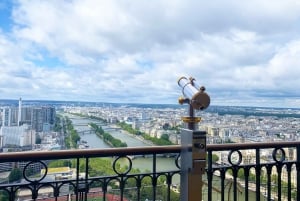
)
(42, 116)
(9, 116)
(6, 113)
(20, 111)
(37, 117)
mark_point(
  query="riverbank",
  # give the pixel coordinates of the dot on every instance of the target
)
(140, 138)
(107, 137)
(117, 131)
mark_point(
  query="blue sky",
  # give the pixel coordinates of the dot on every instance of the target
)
(244, 53)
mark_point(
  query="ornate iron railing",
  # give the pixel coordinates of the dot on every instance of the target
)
(120, 181)
(252, 171)
(270, 171)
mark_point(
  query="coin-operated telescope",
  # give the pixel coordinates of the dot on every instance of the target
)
(193, 141)
(194, 94)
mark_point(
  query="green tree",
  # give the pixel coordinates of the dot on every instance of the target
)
(58, 124)
(73, 137)
(164, 137)
(15, 175)
(157, 141)
(3, 195)
(59, 163)
(108, 138)
(215, 158)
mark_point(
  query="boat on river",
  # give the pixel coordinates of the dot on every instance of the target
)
(83, 145)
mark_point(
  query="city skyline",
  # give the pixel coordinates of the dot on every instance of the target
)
(244, 53)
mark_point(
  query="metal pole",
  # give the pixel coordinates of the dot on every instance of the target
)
(191, 124)
(197, 158)
(192, 164)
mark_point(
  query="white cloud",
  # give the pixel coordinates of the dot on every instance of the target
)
(135, 51)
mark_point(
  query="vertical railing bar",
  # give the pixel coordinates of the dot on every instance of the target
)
(139, 184)
(105, 184)
(235, 173)
(246, 174)
(56, 188)
(209, 175)
(77, 178)
(257, 171)
(80, 196)
(12, 194)
(169, 182)
(35, 191)
(279, 171)
(86, 176)
(223, 176)
(298, 172)
(139, 194)
(269, 180)
(122, 186)
(154, 181)
(169, 193)
(289, 170)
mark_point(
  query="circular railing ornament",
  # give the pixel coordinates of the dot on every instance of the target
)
(27, 169)
(178, 161)
(235, 157)
(278, 155)
(115, 168)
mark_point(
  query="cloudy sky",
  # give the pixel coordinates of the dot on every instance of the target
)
(243, 52)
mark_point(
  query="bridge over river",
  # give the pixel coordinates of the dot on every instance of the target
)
(91, 131)
(86, 124)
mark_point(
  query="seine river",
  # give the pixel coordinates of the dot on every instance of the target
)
(144, 164)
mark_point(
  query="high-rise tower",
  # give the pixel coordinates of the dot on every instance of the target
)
(20, 111)
(6, 116)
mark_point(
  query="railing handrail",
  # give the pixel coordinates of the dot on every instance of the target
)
(108, 152)
(85, 153)
(254, 145)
